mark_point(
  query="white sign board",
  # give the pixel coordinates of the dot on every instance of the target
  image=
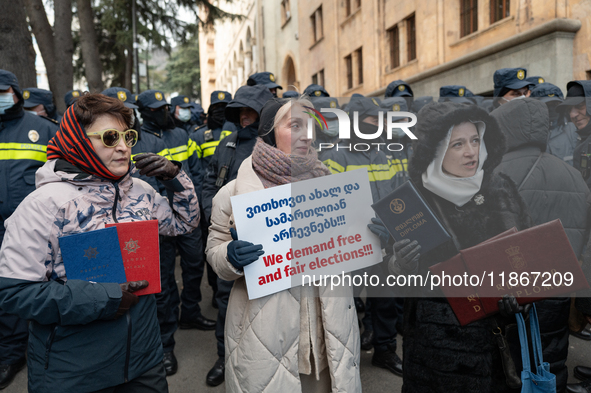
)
(308, 229)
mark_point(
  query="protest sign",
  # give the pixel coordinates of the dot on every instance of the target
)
(308, 229)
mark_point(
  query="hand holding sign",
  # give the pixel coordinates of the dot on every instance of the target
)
(241, 253)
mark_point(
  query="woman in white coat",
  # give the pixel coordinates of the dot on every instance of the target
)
(305, 339)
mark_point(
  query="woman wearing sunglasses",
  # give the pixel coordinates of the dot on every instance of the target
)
(86, 336)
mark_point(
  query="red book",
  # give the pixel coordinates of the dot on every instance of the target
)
(464, 300)
(540, 259)
(141, 253)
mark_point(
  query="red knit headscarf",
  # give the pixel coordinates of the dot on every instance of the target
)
(73, 145)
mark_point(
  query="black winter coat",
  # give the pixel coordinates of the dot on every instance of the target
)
(439, 354)
(553, 190)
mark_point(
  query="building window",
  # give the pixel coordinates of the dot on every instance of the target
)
(359, 57)
(285, 11)
(316, 22)
(393, 38)
(349, 68)
(499, 9)
(347, 7)
(357, 4)
(411, 38)
(468, 17)
(318, 78)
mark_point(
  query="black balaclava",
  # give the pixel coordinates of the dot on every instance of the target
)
(216, 116)
(160, 117)
(267, 119)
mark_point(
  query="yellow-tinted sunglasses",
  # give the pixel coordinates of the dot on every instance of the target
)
(111, 137)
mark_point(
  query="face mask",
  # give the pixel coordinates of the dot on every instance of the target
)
(333, 128)
(159, 117)
(216, 118)
(6, 102)
(516, 98)
(31, 112)
(184, 114)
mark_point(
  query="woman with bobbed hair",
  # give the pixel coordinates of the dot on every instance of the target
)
(86, 336)
(304, 339)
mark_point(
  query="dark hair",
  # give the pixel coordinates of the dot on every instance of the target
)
(90, 106)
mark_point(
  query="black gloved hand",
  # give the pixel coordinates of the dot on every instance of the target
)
(151, 164)
(242, 253)
(378, 228)
(407, 255)
(128, 299)
(508, 306)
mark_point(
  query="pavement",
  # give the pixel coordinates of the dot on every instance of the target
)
(196, 353)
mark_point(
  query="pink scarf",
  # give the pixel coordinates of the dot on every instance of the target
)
(275, 168)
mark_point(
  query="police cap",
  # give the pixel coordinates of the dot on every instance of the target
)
(72, 96)
(364, 106)
(123, 95)
(455, 93)
(510, 79)
(181, 101)
(291, 94)
(34, 96)
(398, 88)
(535, 80)
(219, 96)
(575, 94)
(547, 92)
(326, 102)
(420, 102)
(8, 80)
(263, 78)
(151, 99)
(316, 91)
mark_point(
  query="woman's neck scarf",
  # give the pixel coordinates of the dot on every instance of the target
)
(275, 168)
(73, 145)
(457, 190)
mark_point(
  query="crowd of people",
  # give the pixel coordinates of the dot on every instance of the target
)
(485, 164)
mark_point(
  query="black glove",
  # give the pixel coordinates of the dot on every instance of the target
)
(241, 253)
(407, 256)
(151, 164)
(379, 229)
(128, 299)
(508, 306)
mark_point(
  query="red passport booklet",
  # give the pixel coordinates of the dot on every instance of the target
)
(464, 300)
(543, 249)
(141, 252)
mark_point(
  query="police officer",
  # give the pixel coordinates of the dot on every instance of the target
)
(577, 107)
(400, 88)
(420, 102)
(206, 139)
(315, 90)
(181, 110)
(40, 102)
(197, 114)
(291, 94)
(535, 80)
(381, 170)
(455, 93)
(72, 96)
(244, 111)
(562, 138)
(158, 121)
(23, 146)
(264, 78)
(510, 83)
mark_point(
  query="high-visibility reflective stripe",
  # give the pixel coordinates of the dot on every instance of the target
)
(334, 166)
(179, 153)
(194, 148)
(208, 148)
(224, 134)
(163, 153)
(23, 151)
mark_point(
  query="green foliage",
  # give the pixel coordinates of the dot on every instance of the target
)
(182, 70)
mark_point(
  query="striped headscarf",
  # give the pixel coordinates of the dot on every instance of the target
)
(73, 145)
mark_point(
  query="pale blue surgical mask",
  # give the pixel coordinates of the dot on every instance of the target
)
(6, 102)
(333, 128)
(184, 114)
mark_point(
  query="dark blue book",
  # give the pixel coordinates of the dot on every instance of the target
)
(93, 256)
(406, 215)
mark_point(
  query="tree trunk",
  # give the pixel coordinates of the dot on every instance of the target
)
(44, 35)
(89, 45)
(64, 51)
(129, 70)
(16, 45)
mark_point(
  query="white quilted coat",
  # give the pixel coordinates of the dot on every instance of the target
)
(262, 335)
